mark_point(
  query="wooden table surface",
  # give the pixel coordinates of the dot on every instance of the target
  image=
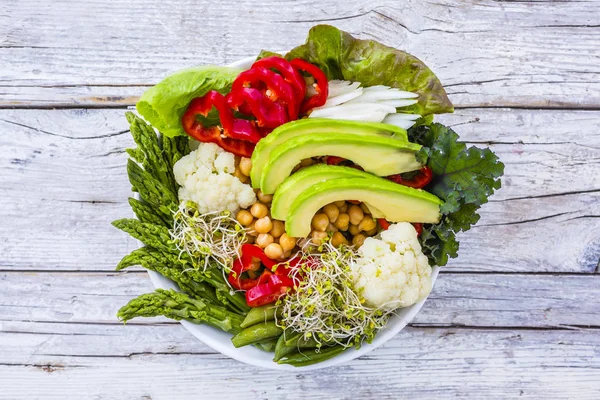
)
(516, 316)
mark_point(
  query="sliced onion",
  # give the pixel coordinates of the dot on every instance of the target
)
(404, 116)
(393, 119)
(379, 96)
(371, 112)
(398, 103)
(339, 87)
(342, 98)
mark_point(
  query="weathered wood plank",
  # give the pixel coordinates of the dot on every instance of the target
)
(536, 54)
(488, 300)
(64, 180)
(161, 362)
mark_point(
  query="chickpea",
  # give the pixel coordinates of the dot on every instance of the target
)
(365, 209)
(332, 212)
(353, 229)
(307, 162)
(338, 239)
(287, 243)
(358, 240)
(344, 208)
(318, 237)
(331, 228)
(264, 198)
(238, 174)
(264, 239)
(372, 232)
(244, 217)
(367, 223)
(340, 203)
(250, 239)
(277, 229)
(245, 166)
(259, 210)
(286, 254)
(320, 222)
(356, 214)
(342, 222)
(263, 225)
(273, 251)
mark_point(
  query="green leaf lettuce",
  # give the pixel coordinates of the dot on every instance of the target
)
(164, 104)
(341, 56)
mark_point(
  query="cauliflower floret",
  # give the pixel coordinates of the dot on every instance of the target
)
(392, 272)
(205, 177)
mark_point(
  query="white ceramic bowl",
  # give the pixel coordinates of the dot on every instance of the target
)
(221, 341)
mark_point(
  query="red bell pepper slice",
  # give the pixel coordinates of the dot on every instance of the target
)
(272, 85)
(418, 227)
(383, 223)
(269, 292)
(289, 73)
(321, 85)
(244, 263)
(236, 136)
(422, 179)
(251, 101)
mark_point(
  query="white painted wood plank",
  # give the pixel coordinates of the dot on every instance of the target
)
(538, 54)
(487, 300)
(157, 362)
(64, 181)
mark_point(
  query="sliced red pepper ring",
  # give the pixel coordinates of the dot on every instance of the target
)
(418, 227)
(251, 101)
(289, 73)
(244, 263)
(245, 135)
(269, 292)
(272, 85)
(422, 179)
(383, 223)
(321, 85)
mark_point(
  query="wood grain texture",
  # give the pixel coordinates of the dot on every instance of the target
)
(463, 299)
(516, 316)
(487, 53)
(163, 362)
(65, 171)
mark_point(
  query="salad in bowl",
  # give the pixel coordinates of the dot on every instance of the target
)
(294, 209)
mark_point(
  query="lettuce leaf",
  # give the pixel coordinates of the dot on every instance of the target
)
(341, 56)
(163, 105)
(464, 177)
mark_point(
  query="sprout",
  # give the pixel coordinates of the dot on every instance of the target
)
(213, 237)
(325, 304)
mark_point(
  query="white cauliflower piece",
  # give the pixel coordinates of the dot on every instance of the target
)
(205, 177)
(392, 272)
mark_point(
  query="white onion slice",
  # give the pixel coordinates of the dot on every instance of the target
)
(342, 98)
(404, 117)
(398, 103)
(339, 87)
(371, 112)
(393, 119)
(379, 96)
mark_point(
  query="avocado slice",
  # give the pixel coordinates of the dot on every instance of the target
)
(397, 202)
(285, 132)
(378, 155)
(300, 181)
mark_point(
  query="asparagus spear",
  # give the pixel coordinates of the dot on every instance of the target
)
(158, 195)
(180, 270)
(156, 261)
(155, 236)
(178, 306)
(146, 213)
(153, 159)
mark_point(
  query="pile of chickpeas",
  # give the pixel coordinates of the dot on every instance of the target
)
(341, 222)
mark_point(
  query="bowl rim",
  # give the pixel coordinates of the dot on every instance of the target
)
(213, 338)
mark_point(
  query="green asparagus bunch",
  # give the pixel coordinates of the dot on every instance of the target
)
(209, 285)
(178, 306)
